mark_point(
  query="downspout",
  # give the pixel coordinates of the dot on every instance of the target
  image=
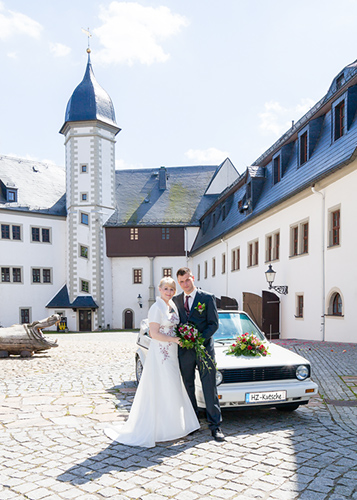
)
(186, 246)
(152, 285)
(323, 261)
(226, 242)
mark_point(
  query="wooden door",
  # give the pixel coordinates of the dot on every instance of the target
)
(85, 320)
(271, 315)
(252, 304)
(128, 320)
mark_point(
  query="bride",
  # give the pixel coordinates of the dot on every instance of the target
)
(161, 410)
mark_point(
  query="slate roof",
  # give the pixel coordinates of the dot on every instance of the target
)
(40, 186)
(61, 301)
(90, 101)
(140, 201)
(327, 156)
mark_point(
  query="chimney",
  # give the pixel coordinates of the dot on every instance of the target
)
(162, 178)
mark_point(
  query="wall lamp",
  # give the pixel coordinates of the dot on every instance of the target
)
(140, 300)
(270, 276)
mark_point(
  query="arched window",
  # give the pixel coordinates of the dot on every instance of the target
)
(336, 304)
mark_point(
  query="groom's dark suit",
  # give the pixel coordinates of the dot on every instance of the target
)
(206, 323)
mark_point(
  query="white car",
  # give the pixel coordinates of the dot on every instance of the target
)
(281, 379)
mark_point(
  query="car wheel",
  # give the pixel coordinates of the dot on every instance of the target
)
(288, 407)
(138, 369)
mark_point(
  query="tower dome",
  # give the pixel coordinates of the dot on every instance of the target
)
(90, 101)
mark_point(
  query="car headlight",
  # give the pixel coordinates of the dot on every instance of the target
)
(302, 372)
(219, 377)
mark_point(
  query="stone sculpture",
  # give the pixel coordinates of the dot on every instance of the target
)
(27, 339)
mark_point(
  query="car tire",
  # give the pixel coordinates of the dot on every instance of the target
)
(138, 369)
(288, 407)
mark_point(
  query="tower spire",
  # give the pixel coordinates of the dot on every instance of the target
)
(89, 35)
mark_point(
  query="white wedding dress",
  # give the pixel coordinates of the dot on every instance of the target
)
(161, 410)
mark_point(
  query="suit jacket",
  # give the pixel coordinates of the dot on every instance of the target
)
(206, 321)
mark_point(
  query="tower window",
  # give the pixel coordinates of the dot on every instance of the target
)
(84, 218)
(84, 251)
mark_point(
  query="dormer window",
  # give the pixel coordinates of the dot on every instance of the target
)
(276, 170)
(11, 195)
(303, 149)
(339, 119)
(340, 81)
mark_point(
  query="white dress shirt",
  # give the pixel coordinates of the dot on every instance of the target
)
(191, 298)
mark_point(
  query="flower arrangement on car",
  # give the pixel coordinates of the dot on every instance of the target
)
(247, 345)
(191, 338)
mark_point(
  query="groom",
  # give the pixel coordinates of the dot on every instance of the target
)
(205, 320)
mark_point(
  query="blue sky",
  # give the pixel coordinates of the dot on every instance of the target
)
(192, 81)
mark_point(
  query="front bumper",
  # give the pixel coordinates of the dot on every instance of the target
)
(234, 395)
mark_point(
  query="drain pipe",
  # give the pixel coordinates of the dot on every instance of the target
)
(323, 260)
(186, 246)
(152, 283)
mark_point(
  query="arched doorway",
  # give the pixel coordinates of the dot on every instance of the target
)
(128, 319)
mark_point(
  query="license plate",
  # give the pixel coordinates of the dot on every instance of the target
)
(265, 397)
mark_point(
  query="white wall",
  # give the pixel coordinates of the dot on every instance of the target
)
(125, 292)
(302, 274)
(26, 255)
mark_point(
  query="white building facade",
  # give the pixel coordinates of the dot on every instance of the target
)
(93, 243)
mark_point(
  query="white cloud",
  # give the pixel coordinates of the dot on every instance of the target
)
(277, 119)
(133, 33)
(122, 165)
(210, 156)
(59, 50)
(14, 23)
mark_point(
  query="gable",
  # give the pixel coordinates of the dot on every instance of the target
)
(224, 177)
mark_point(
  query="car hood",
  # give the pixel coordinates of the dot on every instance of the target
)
(279, 356)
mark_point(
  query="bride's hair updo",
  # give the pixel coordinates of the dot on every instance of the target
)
(168, 281)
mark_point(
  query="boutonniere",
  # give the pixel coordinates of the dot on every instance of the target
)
(200, 307)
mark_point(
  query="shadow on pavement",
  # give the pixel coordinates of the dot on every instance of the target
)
(122, 458)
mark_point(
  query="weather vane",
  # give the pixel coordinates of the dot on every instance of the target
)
(89, 35)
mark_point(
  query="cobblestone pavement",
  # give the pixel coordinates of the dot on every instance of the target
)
(54, 406)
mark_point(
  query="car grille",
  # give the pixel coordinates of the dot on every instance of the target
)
(259, 374)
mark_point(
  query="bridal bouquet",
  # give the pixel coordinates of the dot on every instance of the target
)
(190, 338)
(247, 345)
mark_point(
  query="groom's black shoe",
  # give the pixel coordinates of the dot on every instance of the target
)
(217, 434)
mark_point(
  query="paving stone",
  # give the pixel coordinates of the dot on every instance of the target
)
(308, 454)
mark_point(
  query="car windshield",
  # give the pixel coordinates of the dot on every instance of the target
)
(231, 325)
